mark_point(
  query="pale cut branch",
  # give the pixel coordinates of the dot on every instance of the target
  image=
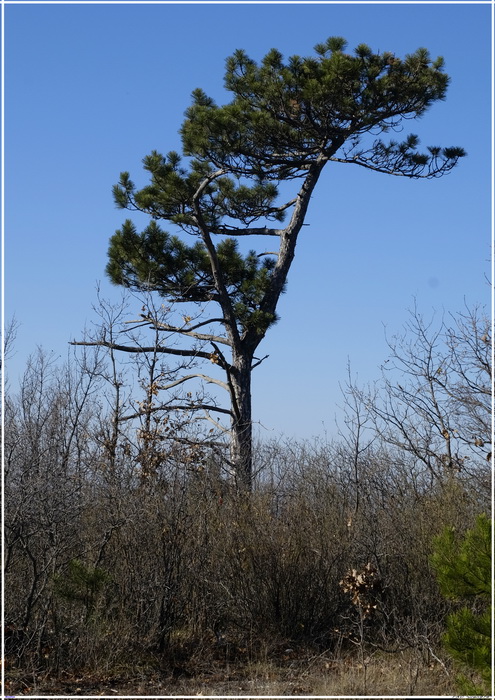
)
(205, 377)
(217, 425)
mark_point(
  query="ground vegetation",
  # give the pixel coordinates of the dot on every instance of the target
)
(132, 558)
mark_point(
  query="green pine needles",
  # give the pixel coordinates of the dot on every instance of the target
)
(284, 116)
(156, 261)
(463, 568)
(286, 121)
(81, 584)
(283, 119)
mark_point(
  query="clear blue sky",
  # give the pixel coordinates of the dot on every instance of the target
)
(91, 89)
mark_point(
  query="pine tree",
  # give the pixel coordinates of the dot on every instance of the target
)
(464, 572)
(285, 122)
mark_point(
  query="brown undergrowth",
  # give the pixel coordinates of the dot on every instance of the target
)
(286, 672)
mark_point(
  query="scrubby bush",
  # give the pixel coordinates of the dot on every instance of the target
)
(126, 539)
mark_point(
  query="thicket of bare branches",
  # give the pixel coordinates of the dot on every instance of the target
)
(126, 539)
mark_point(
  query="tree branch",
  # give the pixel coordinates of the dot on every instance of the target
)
(141, 349)
(256, 364)
(207, 379)
(233, 231)
(187, 331)
(288, 242)
(400, 167)
(224, 297)
(217, 425)
(176, 407)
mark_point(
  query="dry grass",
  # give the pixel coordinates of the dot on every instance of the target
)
(401, 675)
(382, 676)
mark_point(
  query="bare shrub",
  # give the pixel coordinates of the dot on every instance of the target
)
(135, 549)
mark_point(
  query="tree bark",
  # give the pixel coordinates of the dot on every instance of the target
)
(241, 450)
(243, 348)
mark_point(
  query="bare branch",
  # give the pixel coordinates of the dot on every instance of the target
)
(176, 407)
(189, 441)
(218, 425)
(187, 331)
(143, 349)
(233, 231)
(205, 377)
(256, 364)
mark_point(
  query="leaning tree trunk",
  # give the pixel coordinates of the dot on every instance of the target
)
(241, 440)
